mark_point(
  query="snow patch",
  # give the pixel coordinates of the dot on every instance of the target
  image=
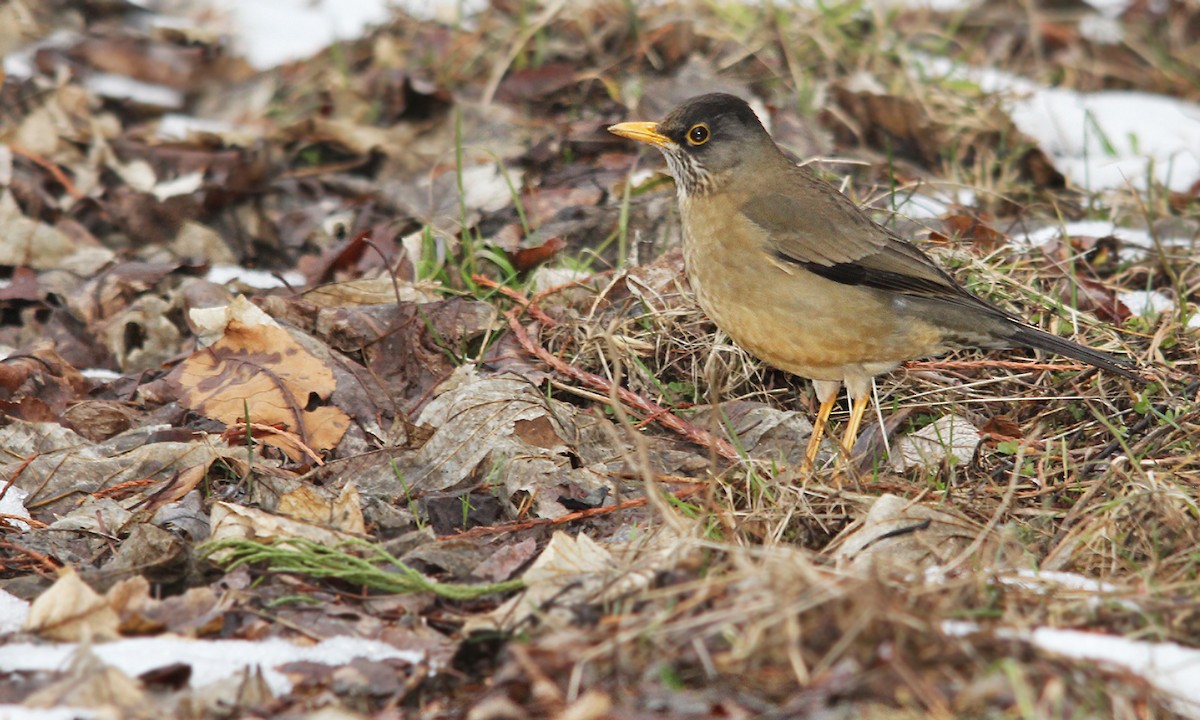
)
(210, 660)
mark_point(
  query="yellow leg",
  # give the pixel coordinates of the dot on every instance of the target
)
(857, 411)
(818, 431)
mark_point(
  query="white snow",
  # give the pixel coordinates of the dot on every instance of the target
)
(13, 503)
(260, 279)
(273, 32)
(13, 611)
(1101, 140)
(1171, 668)
(1151, 304)
(210, 660)
(120, 87)
(1114, 139)
(175, 126)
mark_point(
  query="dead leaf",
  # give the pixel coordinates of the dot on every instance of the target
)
(28, 243)
(898, 536)
(899, 124)
(977, 229)
(949, 437)
(525, 259)
(577, 570)
(235, 522)
(98, 420)
(152, 552)
(42, 373)
(71, 611)
(536, 83)
(477, 428)
(1002, 427)
(503, 564)
(405, 344)
(195, 613)
(310, 504)
(89, 683)
(259, 373)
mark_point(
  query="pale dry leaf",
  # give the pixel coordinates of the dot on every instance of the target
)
(101, 515)
(71, 611)
(504, 426)
(950, 437)
(151, 551)
(309, 504)
(347, 513)
(901, 536)
(90, 683)
(65, 465)
(128, 596)
(372, 291)
(194, 612)
(199, 243)
(28, 243)
(156, 341)
(305, 503)
(577, 570)
(236, 522)
(209, 322)
(569, 570)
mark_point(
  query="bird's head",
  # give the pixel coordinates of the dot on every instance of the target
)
(704, 140)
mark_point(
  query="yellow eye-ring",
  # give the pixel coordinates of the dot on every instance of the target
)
(698, 135)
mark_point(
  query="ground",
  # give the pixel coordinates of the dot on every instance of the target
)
(371, 383)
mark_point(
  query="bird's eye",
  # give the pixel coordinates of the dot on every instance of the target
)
(698, 135)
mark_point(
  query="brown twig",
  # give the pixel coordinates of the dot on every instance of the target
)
(120, 488)
(41, 559)
(530, 306)
(6, 517)
(563, 520)
(59, 176)
(648, 409)
(16, 473)
(645, 407)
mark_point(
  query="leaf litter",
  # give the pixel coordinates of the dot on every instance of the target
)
(378, 372)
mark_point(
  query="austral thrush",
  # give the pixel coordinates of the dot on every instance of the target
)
(797, 274)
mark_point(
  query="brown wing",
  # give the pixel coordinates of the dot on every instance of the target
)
(814, 226)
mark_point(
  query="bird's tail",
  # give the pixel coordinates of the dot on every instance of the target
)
(1031, 337)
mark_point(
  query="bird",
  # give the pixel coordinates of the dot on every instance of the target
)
(796, 273)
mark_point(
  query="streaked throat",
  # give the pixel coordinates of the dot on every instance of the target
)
(691, 178)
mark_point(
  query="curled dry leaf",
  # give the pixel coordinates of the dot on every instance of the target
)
(29, 243)
(196, 612)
